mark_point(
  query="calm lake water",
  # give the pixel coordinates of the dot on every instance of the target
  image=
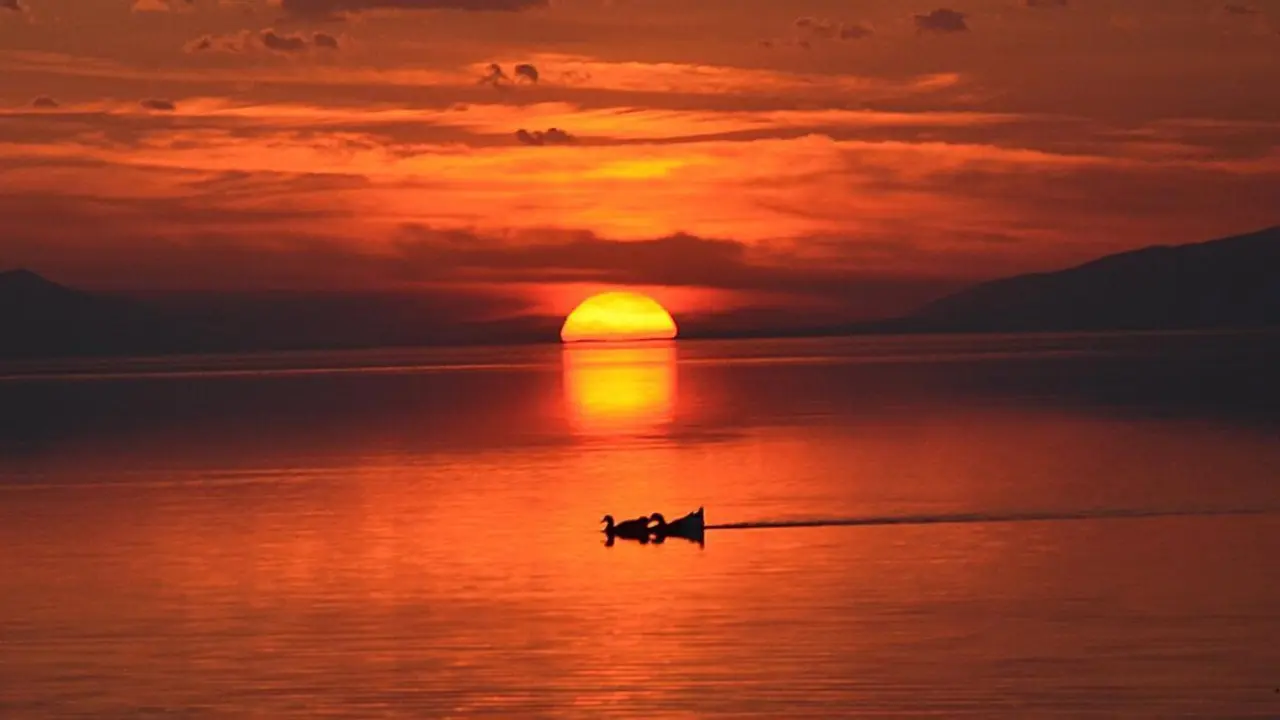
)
(1096, 531)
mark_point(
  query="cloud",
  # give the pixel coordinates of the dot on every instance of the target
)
(159, 105)
(1241, 9)
(856, 31)
(209, 43)
(162, 5)
(265, 40)
(553, 136)
(330, 9)
(814, 28)
(488, 124)
(806, 208)
(526, 71)
(494, 75)
(284, 43)
(584, 76)
(497, 77)
(942, 20)
(44, 102)
(817, 27)
(133, 244)
(676, 260)
(1044, 3)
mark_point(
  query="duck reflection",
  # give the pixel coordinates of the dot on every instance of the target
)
(620, 389)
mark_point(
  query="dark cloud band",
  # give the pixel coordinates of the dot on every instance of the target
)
(942, 20)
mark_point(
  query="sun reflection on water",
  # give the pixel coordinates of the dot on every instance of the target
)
(620, 388)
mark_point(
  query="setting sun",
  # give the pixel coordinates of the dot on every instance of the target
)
(613, 316)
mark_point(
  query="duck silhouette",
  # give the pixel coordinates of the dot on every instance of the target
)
(636, 529)
(690, 526)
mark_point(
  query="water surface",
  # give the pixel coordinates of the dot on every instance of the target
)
(1049, 526)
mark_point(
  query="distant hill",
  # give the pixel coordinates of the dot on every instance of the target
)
(40, 318)
(1229, 283)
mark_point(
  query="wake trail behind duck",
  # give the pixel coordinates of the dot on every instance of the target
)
(958, 518)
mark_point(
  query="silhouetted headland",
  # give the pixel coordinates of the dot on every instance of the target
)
(1229, 283)
(40, 318)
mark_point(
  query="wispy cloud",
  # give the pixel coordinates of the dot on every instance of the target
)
(599, 125)
(573, 73)
(872, 152)
(750, 191)
(268, 40)
(943, 20)
(812, 28)
(336, 8)
(552, 136)
(162, 5)
(158, 105)
(1241, 9)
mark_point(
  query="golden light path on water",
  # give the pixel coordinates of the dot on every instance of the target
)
(619, 389)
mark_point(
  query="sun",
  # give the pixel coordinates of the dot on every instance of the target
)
(614, 316)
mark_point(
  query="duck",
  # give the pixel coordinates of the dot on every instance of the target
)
(636, 529)
(690, 526)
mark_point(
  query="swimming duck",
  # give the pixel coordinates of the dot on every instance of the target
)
(637, 529)
(690, 526)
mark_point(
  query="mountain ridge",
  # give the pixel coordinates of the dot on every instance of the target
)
(1224, 283)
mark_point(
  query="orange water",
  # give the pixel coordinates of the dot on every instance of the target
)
(416, 535)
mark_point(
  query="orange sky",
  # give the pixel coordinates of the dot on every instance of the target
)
(860, 154)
